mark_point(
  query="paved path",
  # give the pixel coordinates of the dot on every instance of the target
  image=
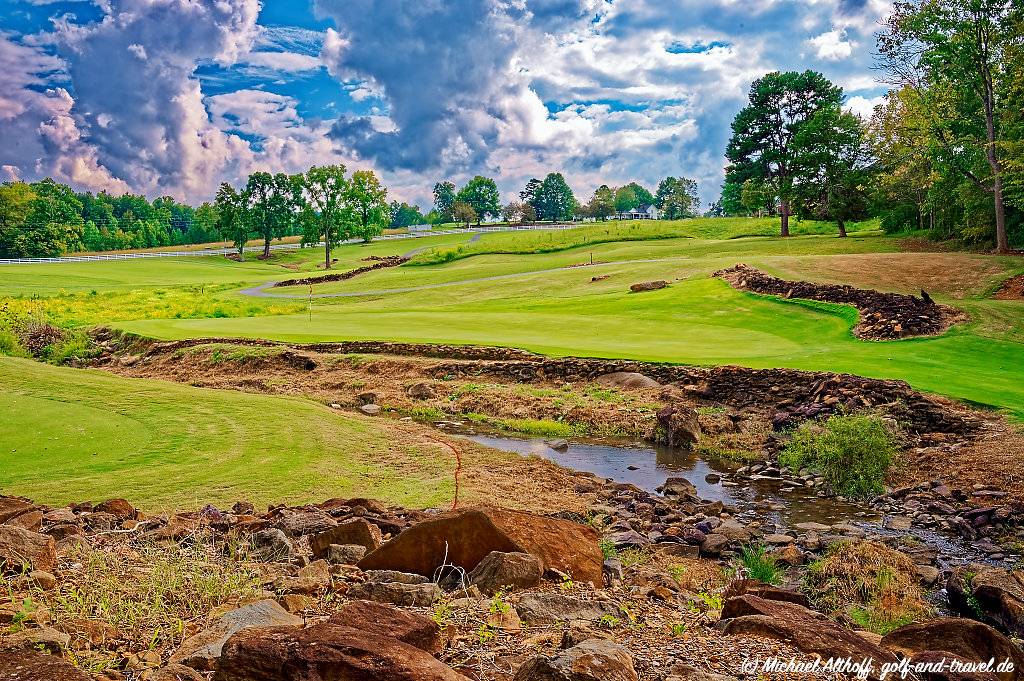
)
(261, 290)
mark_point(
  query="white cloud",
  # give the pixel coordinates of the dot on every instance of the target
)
(832, 45)
(863, 106)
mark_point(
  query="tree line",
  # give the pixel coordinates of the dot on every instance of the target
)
(944, 152)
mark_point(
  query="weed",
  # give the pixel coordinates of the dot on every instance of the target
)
(676, 572)
(608, 548)
(677, 629)
(633, 556)
(609, 621)
(759, 565)
(443, 612)
(853, 452)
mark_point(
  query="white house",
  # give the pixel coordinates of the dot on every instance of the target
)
(641, 213)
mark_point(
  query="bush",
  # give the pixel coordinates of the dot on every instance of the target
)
(853, 452)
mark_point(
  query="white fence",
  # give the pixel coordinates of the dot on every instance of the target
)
(277, 247)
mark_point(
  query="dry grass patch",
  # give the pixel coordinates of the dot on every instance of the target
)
(874, 585)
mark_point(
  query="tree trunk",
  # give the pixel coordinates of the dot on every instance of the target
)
(266, 247)
(1002, 238)
(784, 210)
(842, 228)
(327, 252)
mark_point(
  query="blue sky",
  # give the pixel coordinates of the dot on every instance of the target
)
(175, 96)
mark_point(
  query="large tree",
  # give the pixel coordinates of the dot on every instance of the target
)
(761, 147)
(602, 203)
(444, 199)
(482, 194)
(368, 200)
(834, 167)
(269, 208)
(232, 221)
(958, 57)
(554, 199)
(325, 214)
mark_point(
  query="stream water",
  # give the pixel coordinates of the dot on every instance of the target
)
(647, 466)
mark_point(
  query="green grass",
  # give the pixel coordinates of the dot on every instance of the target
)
(70, 435)
(759, 565)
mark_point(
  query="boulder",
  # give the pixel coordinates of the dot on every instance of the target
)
(203, 650)
(593, 660)
(31, 521)
(385, 620)
(714, 544)
(12, 507)
(499, 571)
(119, 508)
(31, 665)
(969, 640)
(678, 426)
(370, 409)
(626, 379)
(648, 286)
(326, 652)
(43, 638)
(756, 587)
(421, 391)
(270, 545)
(998, 593)
(395, 576)
(546, 607)
(345, 554)
(939, 668)
(305, 522)
(355, 531)
(464, 537)
(22, 550)
(807, 631)
(410, 595)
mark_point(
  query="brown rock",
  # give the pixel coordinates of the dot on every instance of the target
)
(299, 523)
(21, 550)
(295, 603)
(678, 426)
(31, 521)
(967, 639)
(546, 607)
(754, 587)
(411, 595)
(177, 672)
(12, 507)
(51, 639)
(789, 555)
(204, 649)
(499, 571)
(806, 630)
(465, 536)
(937, 661)
(384, 620)
(648, 286)
(998, 593)
(119, 508)
(19, 665)
(355, 531)
(593, 660)
(626, 379)
(421, 391)
(326, 652)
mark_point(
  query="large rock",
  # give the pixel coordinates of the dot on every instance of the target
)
(648, 286)
(678, 426)
(12, 507)
(203, 650)
(807, 631)
(385, 620)
(592, 660)
(30, 665)
(307, 521)
(499, 571)
(22, 550)
(992, 594)
(355, 531)
(755, 587)
(119, 508)
(326, 652)
(626, 379)
(464, 537)
(964, 638)
(397, 593)
(546, 607)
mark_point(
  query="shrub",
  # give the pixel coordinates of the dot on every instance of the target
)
(853, 452)
(874, 584)
(760, 565)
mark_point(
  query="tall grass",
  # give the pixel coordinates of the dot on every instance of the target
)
(760, 565)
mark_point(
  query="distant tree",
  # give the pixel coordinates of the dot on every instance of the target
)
(204, 225)
(464, 213)
(512, 212)
(482, 194)
(529, 194)
(554, 199)
(268, 206)
(677, 198)
(602, 204)
(367, 199)
(761, 147)
(324, 211)
(444, 199)
(232, 221)
(625, 199)
(15, 204)
(730, 202)
(53, 225)
(643, 197)
(404, 215)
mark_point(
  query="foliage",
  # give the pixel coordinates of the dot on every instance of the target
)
(481, 193)
(677, 198)
(231, 219)
(852, 451)
(366, 200)
(464, 213)
(762, 145)
(759, 565)
(444, 201)
(876, 585)
(602, 205)
(403, 215)
(553, 200)
(323, 209)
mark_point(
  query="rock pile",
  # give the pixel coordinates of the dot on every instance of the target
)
(883, 316)
(381, 263)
